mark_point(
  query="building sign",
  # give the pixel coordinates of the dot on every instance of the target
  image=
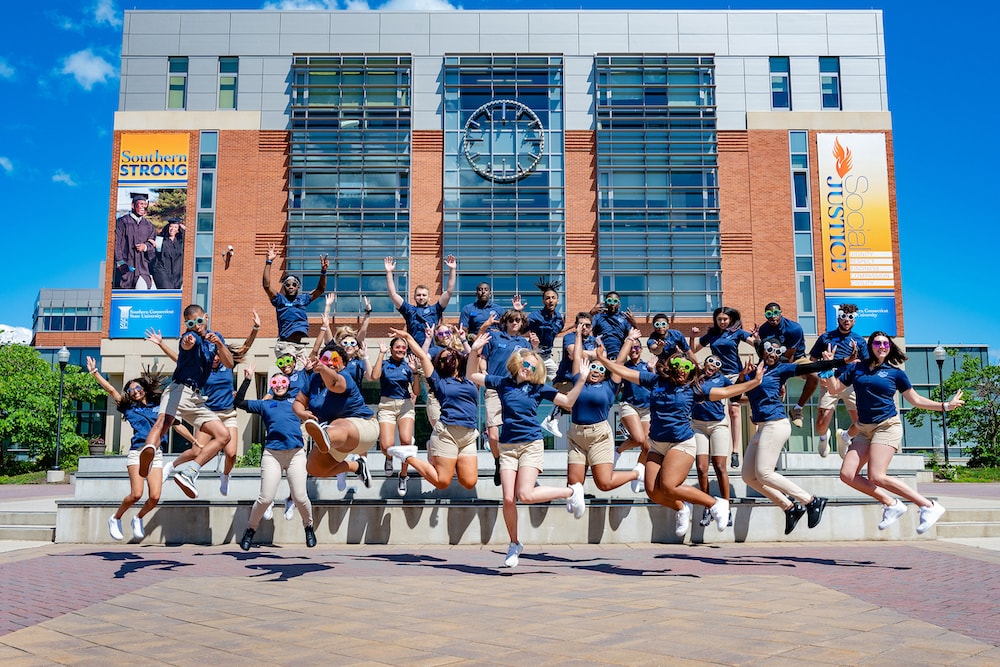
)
(858, 259)
(135, 311)
(153, 160)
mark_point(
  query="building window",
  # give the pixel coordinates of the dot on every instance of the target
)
(349, 175)
(228, 71)
(177, 83)
(504, 197)
(829, 73)
(805, 281)
(781, 89)
(658, 182)
(204, 240)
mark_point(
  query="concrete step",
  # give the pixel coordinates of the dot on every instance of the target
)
(971, 515)
(967, 529)
(27, 518)
(28, 533)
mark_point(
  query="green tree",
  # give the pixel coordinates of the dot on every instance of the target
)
(976, 422)
(29, 397)
(171, 203)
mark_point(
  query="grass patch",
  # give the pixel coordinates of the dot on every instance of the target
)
(980, 475)
(36, 477)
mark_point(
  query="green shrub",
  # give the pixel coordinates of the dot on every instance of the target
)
(251, 459)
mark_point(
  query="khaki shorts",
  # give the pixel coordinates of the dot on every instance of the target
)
(433, 408)
(185, 403)
(286, 348)
(590, 444)
(391, 410)
(228, 418)
(889, 432)
(628, 410)
(367, 436)
(712, 438)
(450, 441)
(133, 458)
(688, 447)
(494, 411)
(827, 401)
(517, 455)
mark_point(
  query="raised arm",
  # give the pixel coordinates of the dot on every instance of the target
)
(621, 370)
(634, 336)
(225, 355)
(472, 372)
(566, 401)
(695, 342)
(251, 338)
(240, 400)
(376, 371)
(924, 403)
(719, 393)
(365, 321)
(154, 336)
(420, 353)
(272, 253)
(324, 264)
(333, 380)
(105, 385)
(449, 289)
(390, 282)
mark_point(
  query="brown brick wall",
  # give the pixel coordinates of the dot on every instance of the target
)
(45, 339)
(581, 222)
(426, 219)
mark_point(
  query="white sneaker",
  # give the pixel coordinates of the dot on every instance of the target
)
(720, 512)
(513, 551)
(681, 520)
(402, 452)
(551, 426)
(929, 517)
(576, 503)
(289, 509)
(341, 481)
(269, 512)
(614, 464)
(843, 442)
(224, 484)
(115, 528)
(168, 470)
(639, 483)
(891, 514)
(824, 444)
(319, 435)
(137, 530)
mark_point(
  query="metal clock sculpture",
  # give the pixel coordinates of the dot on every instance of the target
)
(503, 141)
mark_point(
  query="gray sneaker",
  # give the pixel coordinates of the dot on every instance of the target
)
(186, 480)
(797, 416)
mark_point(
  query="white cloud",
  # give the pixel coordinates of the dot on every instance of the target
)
(301, 4)
(88, 68)
(6, 71)
(107, 12)
(9, 334)
(352, 5)
(6, 164)
(62, 177)
(419, 5)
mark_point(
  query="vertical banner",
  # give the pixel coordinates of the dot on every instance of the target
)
(148, 260)
(858, 258)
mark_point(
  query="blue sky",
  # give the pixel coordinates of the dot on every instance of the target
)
(59, 64)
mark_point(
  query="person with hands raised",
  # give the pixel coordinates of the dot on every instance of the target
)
(290, 305)
(610, 324)
(520, 388)
(880, 431)
(396, 378)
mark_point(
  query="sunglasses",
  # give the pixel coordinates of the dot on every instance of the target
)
(331, 359)
(882, 344)
(774, 349)
(612, 301)
(530, 366)
(772, 313)
(282, 362)
(598, 367)
(637, 348)
(847, 316)
(291, 282)
(134, 389)
(349, 343)
(280, 382)
(685, 365)
(713, 361)
(443, 334)
(661, 325)
(198, 321)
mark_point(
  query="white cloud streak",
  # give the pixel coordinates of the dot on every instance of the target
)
(6, 70)
(107, 12)
(88, 68)
(6, 164)
(356, 5)
(62, 177)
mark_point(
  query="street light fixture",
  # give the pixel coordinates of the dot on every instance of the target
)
(63, 357)
(939, 356)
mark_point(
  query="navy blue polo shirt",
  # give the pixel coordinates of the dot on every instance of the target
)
(594, 402)
(141, 418)
(519, 403)
(788, 333)
(875, 389)
(669, 408)
(565, 371)
(292, 317)
(418, 318)
(284, 430)
(705, 409)
(726, 346)
(499, 349)
(671, 340)
(635, 394)
(473, 317)
(396, 379)
(218, 390)
(765, 399)
(842, 341)
(459, 399)
(612, 330)
(546, 326)
(195, 365)
(327, 405)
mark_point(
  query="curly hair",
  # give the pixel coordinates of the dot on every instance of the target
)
(548, 285)
(150, 383)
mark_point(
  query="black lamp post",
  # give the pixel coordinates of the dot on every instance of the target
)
(939, 356)
(63, 357)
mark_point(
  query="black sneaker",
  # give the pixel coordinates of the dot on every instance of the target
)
(388, 465)
(496, 472)
(310, 537)
(706, 518)
(815, 509)
(792, 516)
(734, 460)
(362, 473)
(401, 485)
(247, 540)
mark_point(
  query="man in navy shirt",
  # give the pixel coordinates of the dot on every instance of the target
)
(611, 325)
(290, 306)
(421, 314)
(789, 334)
(476, 314)
(844, 343)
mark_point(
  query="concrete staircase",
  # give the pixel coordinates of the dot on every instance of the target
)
(32, 526)
(964, 522)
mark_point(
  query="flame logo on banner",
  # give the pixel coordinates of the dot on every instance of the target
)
(844, 160)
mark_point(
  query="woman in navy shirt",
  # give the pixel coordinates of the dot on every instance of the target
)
(711, 433)
(452, 445)
(672, 445)
(773, 429)
(283, 451)
(140, 406)
(395, 375)
(634, 405)
(880, 435)
(724, 338)
(520, 390)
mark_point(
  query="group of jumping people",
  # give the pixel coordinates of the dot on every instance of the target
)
(681, 411)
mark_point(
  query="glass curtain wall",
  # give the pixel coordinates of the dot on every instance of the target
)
(658, 182)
